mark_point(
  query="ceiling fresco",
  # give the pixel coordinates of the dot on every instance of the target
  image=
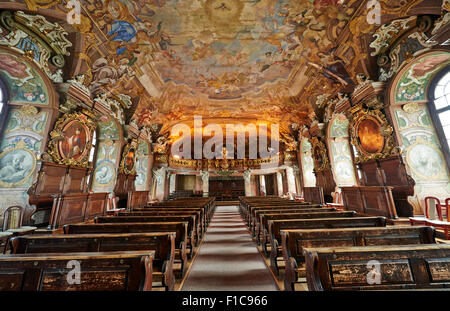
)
(227, 61)
(226, 57)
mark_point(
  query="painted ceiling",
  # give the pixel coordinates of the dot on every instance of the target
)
(224, 58)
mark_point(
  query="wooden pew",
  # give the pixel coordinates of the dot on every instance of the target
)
(396, 267)
(162, 243)
(111, 271)
(192, 227)
(294, 241)
(196, 213)
(144, 211)
(180, 229)
(251, 216)
(73, 208)
(137, 199)
(264, 218)
(275, 227)
(257, 218)
(247, 211)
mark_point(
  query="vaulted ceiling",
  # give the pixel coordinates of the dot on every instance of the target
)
(224, 60)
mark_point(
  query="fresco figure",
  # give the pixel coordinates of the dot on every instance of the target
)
(15, 167)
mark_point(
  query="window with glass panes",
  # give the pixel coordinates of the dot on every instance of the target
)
(442, 105)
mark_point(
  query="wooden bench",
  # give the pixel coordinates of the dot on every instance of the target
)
(264, 218)
(257, 225)
(275, 227)
(151, 210)
(251, 217)
(253, 222)
(393, 267)
(197, 213)
(162, 243)
(294, 241)
(192, 227)
(180, 229)
(111, 271)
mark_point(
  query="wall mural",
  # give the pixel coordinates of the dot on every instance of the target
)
(309, 178)
(342, 163)
(107, 154)
(412, 86)
(422, 149)
(107, 129)
(21, 143)
(16, 166)
(24, 83)
(19, 150)
(142, 166)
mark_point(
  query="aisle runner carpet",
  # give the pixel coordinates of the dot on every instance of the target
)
(228, 259)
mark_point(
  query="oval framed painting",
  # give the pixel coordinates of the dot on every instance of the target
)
(369, 135)
(76, 137)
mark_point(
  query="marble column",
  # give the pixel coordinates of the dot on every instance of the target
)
(205, 181)
(247, 182)
(262, 185)
(291, 180)
(297, 180)
(279, 184)
(159, 177)
(172, 183)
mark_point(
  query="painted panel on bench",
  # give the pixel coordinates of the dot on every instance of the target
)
(356, 273)
(327, 242)
(439, 269)
(91, 279)
(392, 240)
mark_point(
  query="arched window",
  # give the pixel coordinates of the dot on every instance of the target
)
(3, 106)
(442, 105)
(440, 111)
(92, 154)
(309, 178)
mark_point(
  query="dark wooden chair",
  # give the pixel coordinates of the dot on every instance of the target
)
(12, 225)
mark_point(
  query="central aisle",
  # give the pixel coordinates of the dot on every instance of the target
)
(228, 259)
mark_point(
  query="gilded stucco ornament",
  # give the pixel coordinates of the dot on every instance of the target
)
(385, 34)
(49, 39)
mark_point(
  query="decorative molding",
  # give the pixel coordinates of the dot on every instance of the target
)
(46, 42)
(386, 34)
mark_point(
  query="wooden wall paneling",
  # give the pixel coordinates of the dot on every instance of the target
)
(352, 199)
(70, 208)
(378, 201)
(96, 205)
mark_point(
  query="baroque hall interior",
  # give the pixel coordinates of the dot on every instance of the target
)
(156, 121)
